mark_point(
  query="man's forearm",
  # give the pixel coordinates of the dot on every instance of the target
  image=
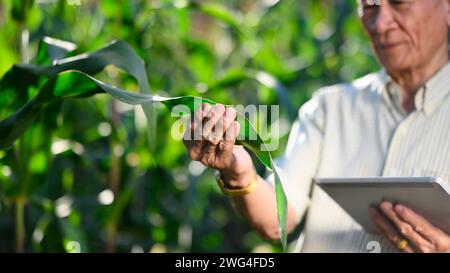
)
(259, 208)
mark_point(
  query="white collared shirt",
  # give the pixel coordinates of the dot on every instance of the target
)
(360, 129)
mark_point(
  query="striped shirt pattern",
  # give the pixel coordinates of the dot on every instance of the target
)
(360, 129)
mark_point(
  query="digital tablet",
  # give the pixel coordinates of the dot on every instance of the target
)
(429, 196)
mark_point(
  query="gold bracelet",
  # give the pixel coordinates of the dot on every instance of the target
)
(237, 192)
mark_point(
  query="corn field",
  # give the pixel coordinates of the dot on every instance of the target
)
(84, 171)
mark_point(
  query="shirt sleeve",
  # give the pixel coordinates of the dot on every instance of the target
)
(300, 161)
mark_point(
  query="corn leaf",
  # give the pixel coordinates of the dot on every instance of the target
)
(72, 78)
(17, 81)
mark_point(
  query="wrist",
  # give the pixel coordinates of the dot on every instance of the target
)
(237, 181)
(238, 190)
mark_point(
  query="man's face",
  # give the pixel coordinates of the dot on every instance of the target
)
(405, 34)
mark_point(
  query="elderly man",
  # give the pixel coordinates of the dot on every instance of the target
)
(392, 123)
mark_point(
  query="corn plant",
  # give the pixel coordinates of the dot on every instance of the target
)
(79, 163)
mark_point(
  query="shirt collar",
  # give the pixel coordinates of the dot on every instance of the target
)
(429, 96)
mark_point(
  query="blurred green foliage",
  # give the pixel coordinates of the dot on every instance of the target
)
(91, 176)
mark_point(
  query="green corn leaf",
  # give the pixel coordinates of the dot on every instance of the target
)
(281, 207)
(16, 82)
(237, 76)
(256, 146)
(81, 84)
(51, 49)
(73, 84)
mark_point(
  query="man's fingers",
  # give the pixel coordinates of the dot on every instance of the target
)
(214, 120)
(195, 126)
(232, 132)
(212, 129)
(197, 121)
(420, 224)
(386, 227)
(230, 137)
(194, 147)
(383, 225)
(408, 249)
(192, 138)
(218, 132)
(229, 117)
(405, 228)
(229, 128)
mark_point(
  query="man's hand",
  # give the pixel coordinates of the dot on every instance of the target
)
(210, 139)
(399, 223)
